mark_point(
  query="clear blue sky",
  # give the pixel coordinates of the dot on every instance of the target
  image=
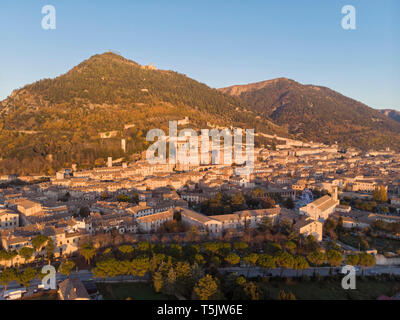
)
(217, 42)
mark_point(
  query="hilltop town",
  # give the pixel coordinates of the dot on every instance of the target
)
(307, 182)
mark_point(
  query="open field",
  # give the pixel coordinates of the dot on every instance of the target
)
(134, 291)
(331, 289)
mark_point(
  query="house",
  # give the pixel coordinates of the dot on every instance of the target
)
(152, 222)
(395, 202)
(308, 227)
(72, 289)
(202, 222)
(27, 207)
(8, 219)
(343, 208)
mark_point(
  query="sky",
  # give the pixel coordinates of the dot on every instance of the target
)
(220, 43)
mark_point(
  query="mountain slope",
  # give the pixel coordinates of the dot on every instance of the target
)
(319, 114)
(56, 122)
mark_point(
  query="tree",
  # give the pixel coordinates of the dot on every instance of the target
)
(66, 267)
(367, 260)
(238, 201)
(240, 245)
(316, 258)
(126, 249)
(265, 224)
(300, 263)
(39, 241)
(139, 266)
(158, 281)
(266, 261)
(7, 276)
(290, 246)
(26, 252)
(84, 212)
(170, 282)
(258, 193)
(289, 203)
(8, 255)
(88, 252)
(232, 259)
(26, 276)
(250, 260)
(380, 194)
(284, 260)
(286, 296)
(50, 247)
(352, 259)
(206, 288)
(334, 258)
(199, 259)
(251, 291)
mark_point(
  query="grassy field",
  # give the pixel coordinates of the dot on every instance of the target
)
(332, 290)
(381, 244)
(134, 291)
(51, 295)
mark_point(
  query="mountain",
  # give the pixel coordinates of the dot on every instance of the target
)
(319, 114)
(53, 123)
(392, 114)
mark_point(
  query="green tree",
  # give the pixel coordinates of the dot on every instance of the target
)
(206, 288)
(6, 276)
(199, 259)
(139, 266)
(286, 296)
(250, 260)
(39, 241)
(334, 258)
(265, 224)
(232, 259)
(158, 281)
(252, 291)
(284, 260)
(380, 194)
(26, 252)
(290, 246)
(300, 263)
(352, 259)
(170, 282)
(50, 248)
(126, 249)
(87, 251)
(240, 245)
(66, 267)
(366, 260)
(266, 261)
(26, 276)
(316, 258)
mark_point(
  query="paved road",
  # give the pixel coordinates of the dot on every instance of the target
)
(83, 275)
(322, 271)
(86, 275)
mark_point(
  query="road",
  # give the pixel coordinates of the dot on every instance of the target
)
(83, 275)
(86, 275)
(322, 271)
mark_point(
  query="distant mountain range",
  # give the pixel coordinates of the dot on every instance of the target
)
(319, 114)
(393, 114)
(53, 123)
